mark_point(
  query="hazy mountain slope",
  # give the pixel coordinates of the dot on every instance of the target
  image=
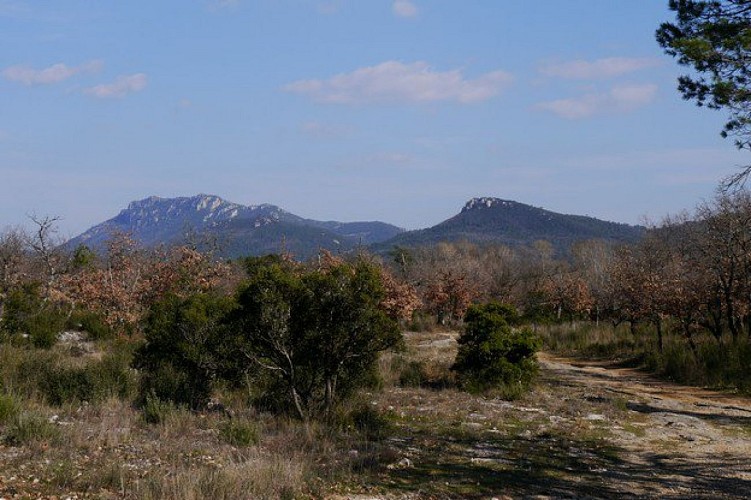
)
(234, 229)
(486, 220)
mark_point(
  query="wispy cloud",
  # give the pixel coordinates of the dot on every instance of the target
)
(404, 8)
(599, 68)
(393, 81)
(121, 87)
(53, 74)
(621, 98)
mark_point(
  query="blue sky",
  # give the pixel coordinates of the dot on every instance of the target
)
(348, 109)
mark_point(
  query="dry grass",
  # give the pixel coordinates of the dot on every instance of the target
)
(425, 440)
(255, 477)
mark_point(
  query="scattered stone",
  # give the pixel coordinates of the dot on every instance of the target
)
(70, 337)
(404, 463)
(594, 417)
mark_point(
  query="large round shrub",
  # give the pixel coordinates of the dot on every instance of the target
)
(492, 354)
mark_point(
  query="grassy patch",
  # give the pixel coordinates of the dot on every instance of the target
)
(28, 427)
(156, 411)
(240, 433)
(9, 408)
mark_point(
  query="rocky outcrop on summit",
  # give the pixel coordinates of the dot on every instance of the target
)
(156, 220)
(485, 202)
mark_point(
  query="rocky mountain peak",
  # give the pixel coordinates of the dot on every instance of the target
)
(486, 202)
(242, 229)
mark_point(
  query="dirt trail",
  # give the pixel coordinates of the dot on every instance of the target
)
(674, 441)
(589, 429)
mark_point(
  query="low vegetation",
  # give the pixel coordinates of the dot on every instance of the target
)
(492, 355)
(269, 364)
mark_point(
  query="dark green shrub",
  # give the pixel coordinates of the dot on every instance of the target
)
(492, 355)
(44, 327)
(93, 382)
(168, 383)
(185, 348)
(310, 338)
(20, 304)
(317, 333)
(25, 313)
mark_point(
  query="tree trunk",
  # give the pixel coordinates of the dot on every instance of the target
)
(730, 312)
(690, 338)
(329, 399)
(298, 403)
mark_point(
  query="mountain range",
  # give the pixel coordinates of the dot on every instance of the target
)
(236, 230)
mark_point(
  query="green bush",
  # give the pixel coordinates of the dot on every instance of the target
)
(93, 382)
(492, 355)
(44, 327)
(9, 408)
(156, 411)
(318, 333)
(20, 304)
(25, 313)
(311, 337)
(240, 433)
(184, 349)
(22, 368)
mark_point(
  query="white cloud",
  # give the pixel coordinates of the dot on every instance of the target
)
(54, 74)
(121, 87)
(619, 99)
(404, 8)
(393, 81)
(600, 68)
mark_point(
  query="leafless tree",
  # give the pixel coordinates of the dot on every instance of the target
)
(44, 244)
